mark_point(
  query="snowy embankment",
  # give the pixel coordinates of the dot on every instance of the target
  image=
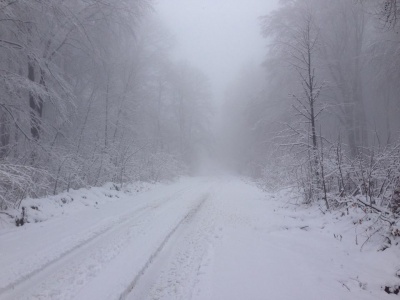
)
(198, 238)
(67, 203)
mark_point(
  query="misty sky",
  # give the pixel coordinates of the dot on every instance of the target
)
(217, 36)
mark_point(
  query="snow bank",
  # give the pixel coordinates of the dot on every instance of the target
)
(365, 254)
(45, 208)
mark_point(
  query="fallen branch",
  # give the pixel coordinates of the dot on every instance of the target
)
(371, 206)
(343, 284)
(380, 211)
(369, 237)
(7, 214)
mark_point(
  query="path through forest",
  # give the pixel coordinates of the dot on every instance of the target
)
(199, 238)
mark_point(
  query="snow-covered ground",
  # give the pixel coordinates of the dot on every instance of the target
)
(198, 238)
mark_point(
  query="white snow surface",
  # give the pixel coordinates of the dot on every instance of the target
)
(204, 238)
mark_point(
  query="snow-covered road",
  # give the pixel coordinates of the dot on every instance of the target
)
(199, 238)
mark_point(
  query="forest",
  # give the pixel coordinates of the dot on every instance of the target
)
(322, 113)
(187, 149)
(90, 94)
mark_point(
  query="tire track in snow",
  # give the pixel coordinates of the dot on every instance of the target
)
(84, 241)
(181, 272)
(160, 248)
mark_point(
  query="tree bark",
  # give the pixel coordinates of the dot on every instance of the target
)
(35, 105)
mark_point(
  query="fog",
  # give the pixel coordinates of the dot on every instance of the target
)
(300, 92)
(162, 141)
(219, 37)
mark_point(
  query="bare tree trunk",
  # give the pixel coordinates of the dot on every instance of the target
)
(159, 101)
(34, 104)
(4, 134)
(107, 112)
